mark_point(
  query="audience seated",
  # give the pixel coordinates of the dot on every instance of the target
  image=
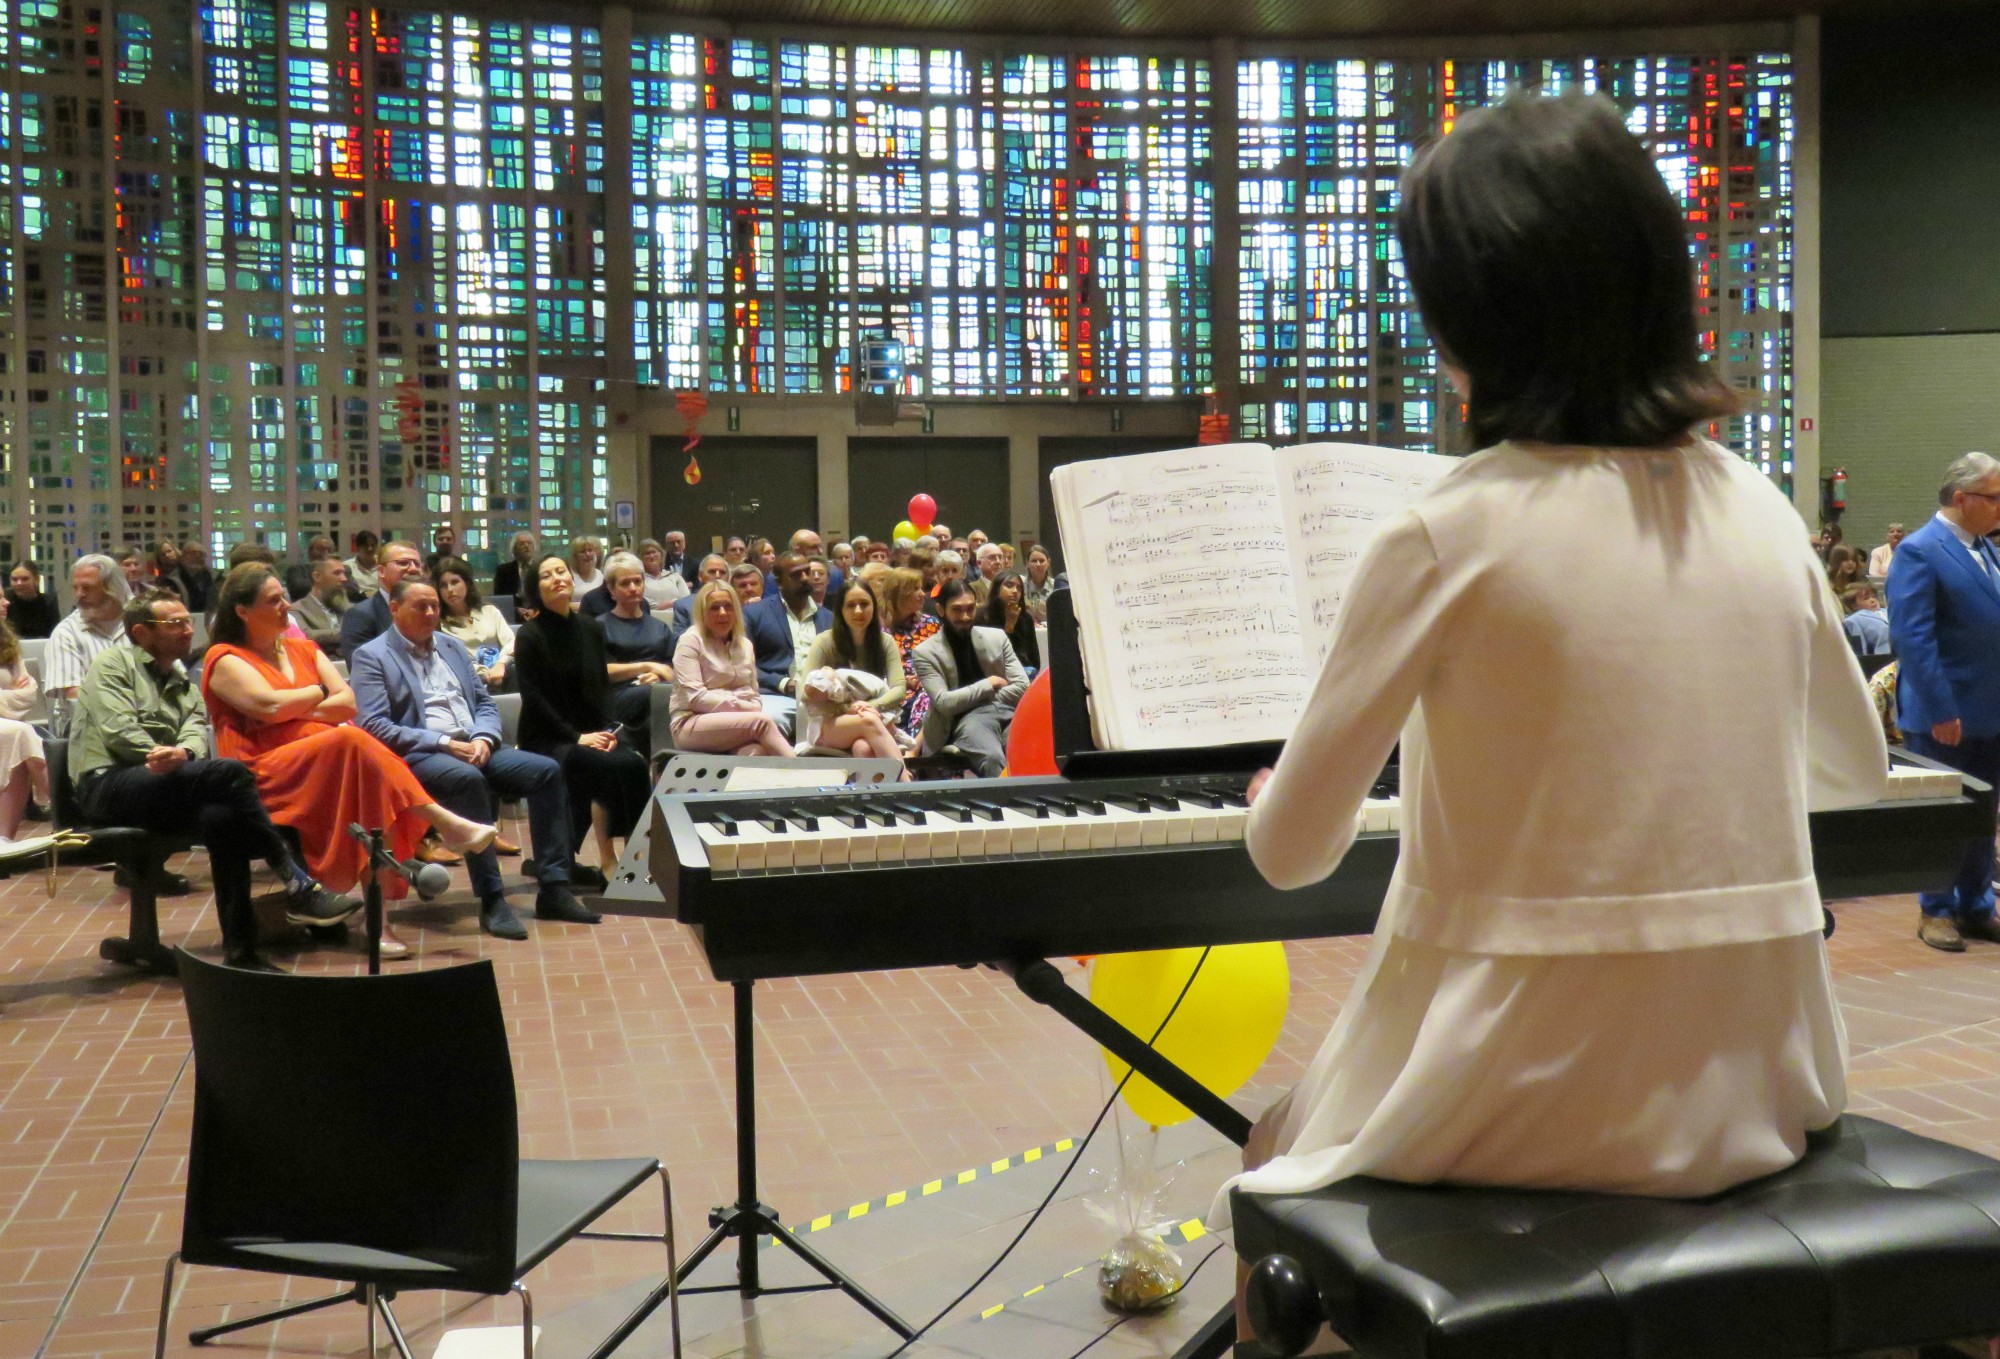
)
(30, 611)
(277, 704)
(1867, 622)
(665, 585)
(842, 556)
(585, 556)
(716, 706)
(973, 679)
(903, 603)
(674, 557)
(141, 754)
(1879, 560)
(1006, 610)
(164, 568)
(713, 567)
(806, 543)
(512, 579)
(835, 719)
(989, 561)
(736, 551)
(562, 667)
(97, 622)
(444, 543)
(23, 772)
(1844, 568)
(361, 566)
(319, 611)
(782, 628)
(299, 575)
(636, 649)
(133, 566)
(369, 619)
(950, 566)
(419, 694)
(194, 580)
(1041, 582)
(486, 635)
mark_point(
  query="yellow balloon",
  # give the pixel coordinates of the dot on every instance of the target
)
(907, 530)
(1222, 1032)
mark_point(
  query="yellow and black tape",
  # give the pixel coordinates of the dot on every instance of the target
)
(1188, 1231)
(930, 1188)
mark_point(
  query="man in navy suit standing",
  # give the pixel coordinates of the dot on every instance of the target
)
(1944, 624)
(418, 693)
(782, 628)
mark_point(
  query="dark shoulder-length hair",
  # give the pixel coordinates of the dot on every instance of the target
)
(876, 662)
(1551, 265)
(240, 587)
(459, 567)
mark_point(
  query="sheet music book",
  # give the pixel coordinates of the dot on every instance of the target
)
(1207, 580)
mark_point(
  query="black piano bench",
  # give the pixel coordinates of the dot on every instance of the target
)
(1878, 1238)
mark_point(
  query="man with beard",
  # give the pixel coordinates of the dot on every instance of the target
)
(974, 679)
(140, 756)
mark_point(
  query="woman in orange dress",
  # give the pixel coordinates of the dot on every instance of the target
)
(278, 705)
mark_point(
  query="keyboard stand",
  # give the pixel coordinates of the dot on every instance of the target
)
(1040, 981)
(747, 1220)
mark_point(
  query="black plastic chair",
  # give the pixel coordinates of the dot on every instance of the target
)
(141, 854)
(292, 1070)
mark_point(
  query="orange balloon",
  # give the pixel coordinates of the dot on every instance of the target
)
(1031, 739)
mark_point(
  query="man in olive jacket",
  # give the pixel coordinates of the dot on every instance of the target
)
(139, 756)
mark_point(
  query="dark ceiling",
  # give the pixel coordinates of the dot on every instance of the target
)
(1267, 19)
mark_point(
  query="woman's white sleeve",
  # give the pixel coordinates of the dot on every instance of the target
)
(1387, 639)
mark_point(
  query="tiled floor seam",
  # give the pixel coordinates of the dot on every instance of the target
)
(124, 1185)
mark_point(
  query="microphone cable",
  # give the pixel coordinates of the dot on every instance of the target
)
(1074, 1162)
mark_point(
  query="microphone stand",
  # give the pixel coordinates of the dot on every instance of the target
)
(371, 895)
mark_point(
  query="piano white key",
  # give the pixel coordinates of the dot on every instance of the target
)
(946, 834)
(1381, 815)
(779, 847)
(1207, 824)
(916, 841)
(752, 844)
(1179, 824)
(1153, 828)
(721, 848)
(1020, 834)
(1231, 821)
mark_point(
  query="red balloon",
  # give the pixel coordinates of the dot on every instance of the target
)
(1031, 739)
(923, 511)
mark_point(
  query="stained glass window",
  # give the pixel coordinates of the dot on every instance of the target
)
(278, 267)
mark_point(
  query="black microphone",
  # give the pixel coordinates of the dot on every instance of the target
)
(429, 880)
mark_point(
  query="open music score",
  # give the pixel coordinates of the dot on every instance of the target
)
(1207, 580)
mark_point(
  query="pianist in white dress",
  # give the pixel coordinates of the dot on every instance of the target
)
(1620, 682)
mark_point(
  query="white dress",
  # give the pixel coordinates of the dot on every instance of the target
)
(1619, 682)
(18, 741)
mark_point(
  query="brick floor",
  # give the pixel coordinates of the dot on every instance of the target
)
(621, 1046)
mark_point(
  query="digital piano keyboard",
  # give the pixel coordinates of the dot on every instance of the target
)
(993, 870)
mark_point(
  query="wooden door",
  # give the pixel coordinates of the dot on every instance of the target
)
(967, 478)
(751, 487)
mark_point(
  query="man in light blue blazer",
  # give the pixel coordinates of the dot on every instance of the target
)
(1944, 624)
(418, 693)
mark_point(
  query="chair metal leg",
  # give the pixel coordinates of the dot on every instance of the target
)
(208, 1333)
(368, 1301)
(166, 1301)
(395, 1326)
(527, 1321)
(673, 1263)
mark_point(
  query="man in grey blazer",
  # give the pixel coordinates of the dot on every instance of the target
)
(974, 680)
(418, 693)
(318, 611)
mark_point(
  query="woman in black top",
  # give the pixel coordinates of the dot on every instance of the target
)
(1007, 609)
(30, 612)
(559, 655)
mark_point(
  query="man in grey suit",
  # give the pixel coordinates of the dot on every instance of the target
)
(319, 610)
(974, 680)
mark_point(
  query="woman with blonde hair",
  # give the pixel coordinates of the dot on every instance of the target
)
(715, 703)
(585, 555)
(278, 705)
(22, 771)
